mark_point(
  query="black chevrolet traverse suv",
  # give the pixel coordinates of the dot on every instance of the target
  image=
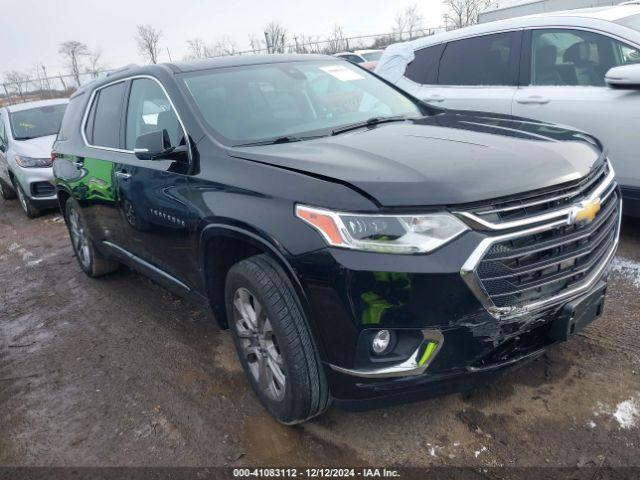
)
(361, 246)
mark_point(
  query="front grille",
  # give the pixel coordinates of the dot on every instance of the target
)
(42, 189)
(542, 201)
(531, 268)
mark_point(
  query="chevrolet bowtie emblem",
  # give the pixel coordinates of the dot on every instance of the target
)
(586, 212)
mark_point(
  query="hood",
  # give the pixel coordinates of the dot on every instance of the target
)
(447, 159)
(35, 148)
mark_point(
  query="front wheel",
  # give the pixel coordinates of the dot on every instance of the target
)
(91, 262)
(273, 341)
(25, 203)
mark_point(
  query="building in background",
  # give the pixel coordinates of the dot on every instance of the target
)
(503, 9)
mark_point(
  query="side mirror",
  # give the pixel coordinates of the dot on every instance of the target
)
(156, 145)
(626, 77)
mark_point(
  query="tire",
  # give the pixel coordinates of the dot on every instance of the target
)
(90, 260)
(286, 348)
(6, 191)
(28, 208)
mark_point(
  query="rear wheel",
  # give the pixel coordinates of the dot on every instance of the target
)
(273, 341)
(6, 191)
(25, 203)
(91, 262)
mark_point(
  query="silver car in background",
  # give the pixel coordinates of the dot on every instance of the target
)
(27, 132)
(579, 68)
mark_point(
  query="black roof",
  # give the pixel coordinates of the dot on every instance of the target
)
(197, 65)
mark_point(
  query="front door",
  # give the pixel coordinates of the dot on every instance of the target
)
(567, 87)
(154, 193)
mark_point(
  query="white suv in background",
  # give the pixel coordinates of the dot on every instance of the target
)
(27, 132)
(579, 68)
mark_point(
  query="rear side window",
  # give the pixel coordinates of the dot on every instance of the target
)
(424, 69)
(103, 123)
(485, 60)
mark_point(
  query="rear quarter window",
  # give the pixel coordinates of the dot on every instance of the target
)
(71, 117)
(424, 68)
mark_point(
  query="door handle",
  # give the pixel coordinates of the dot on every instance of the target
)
(435, 98)
(534, 100)
(123, 175)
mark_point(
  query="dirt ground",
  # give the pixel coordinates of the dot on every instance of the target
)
(120, 372)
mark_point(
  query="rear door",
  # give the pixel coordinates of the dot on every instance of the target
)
(478, 73)
(154, 193)
(563, 78)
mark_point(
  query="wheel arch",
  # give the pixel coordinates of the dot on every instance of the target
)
(235, 243)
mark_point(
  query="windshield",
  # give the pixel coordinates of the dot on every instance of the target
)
(37, 122)
(256, 103)
(631, 22)
(373, 56)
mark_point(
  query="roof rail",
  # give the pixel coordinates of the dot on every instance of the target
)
(121, 69)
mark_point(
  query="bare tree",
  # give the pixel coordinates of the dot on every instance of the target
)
(307, 44)
(276, 37)
(225, 46)
(461, 13)
(148, 39)
(73, 52)
(17, 82)
(413, 21)
(336, 41)
(400, 26)
(95, 64)
(255, 44)
(198, 49)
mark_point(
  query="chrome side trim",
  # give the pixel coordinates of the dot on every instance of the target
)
(409, 367)
(470, 276)
(146, 264)
(599, 193)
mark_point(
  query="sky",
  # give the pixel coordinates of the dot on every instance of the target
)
(33, 29)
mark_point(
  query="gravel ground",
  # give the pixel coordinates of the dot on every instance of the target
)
(119, 372)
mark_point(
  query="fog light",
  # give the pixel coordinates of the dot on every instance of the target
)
(381, 342)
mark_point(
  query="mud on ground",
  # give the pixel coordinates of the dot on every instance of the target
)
(118, 371)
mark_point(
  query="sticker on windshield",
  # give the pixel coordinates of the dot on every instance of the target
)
(342, 73)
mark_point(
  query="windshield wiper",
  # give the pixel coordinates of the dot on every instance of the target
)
(274, 141)
(372, 121)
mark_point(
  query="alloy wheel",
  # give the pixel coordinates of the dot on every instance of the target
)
(259, 344)
(79, 238)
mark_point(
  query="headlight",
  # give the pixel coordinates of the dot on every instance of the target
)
(28, 162)
(383, 233)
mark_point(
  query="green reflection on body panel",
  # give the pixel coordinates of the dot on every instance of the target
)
(384, 295)
(96, 182)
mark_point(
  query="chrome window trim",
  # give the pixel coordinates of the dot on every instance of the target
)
(565, 212)
(471, 278)
(408, 368)
(85, 116)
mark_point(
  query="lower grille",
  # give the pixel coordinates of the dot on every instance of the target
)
(42, 189)
(541, 265)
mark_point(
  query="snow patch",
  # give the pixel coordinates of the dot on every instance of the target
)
(628, 413)
(628, 268)
(478, 452)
